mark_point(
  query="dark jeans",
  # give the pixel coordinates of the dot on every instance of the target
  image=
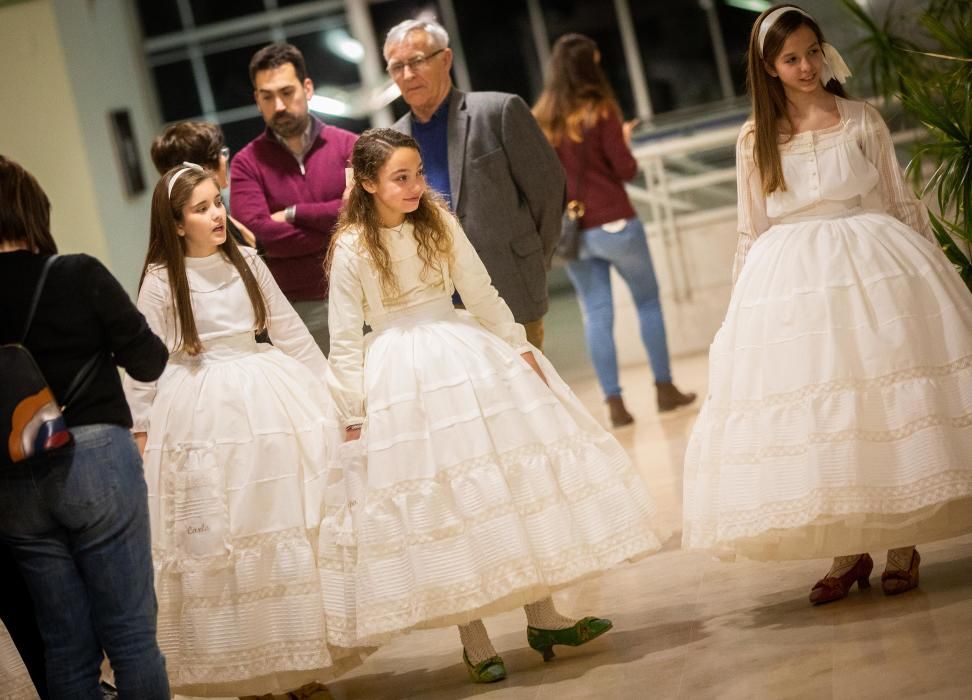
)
(17, 613)
(77, 524)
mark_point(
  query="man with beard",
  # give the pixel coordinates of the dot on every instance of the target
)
(288, 181)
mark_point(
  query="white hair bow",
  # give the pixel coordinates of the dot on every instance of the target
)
(834, 66)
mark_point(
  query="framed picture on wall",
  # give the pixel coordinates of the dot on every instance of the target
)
(127, 150)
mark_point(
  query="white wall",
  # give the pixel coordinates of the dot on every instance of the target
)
(102, 43)
(66, 65)
(39, 123)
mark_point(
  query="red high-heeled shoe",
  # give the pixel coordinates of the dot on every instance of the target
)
(896, 581)
(831, 588)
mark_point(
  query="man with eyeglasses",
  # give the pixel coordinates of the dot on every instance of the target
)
(288, 182)
(486, 154)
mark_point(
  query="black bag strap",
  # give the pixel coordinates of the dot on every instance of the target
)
(84, 376)
(81, 380)
(37, 294)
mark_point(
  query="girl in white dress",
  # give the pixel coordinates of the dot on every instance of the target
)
(239, 435)
(488, 485)
(839, 415)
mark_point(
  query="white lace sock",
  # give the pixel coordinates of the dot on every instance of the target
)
(543, 615)
(475, 640)
(899, 559)
(842, 565)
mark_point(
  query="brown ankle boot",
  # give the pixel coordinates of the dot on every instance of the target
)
(670, 398)
(618, 413)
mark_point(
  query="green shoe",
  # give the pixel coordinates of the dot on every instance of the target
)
(488, 671)
(581, 633)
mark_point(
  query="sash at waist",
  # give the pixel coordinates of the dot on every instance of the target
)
(823, 210)
(437, 309)
(228, 347)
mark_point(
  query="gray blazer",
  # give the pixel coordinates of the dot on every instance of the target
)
(508, 190)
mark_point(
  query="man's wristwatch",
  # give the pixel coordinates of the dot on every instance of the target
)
(290, 212)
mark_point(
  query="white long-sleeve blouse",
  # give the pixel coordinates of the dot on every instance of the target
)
(356, 298)
(850, 164)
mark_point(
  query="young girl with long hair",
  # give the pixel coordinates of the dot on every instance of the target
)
(582, 120)
(239, 436)
(488, 485)
(839, 416)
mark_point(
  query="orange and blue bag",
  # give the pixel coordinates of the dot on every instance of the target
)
(31, 421)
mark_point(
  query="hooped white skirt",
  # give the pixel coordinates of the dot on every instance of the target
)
(483, 488)
(238, 450)
(839, 415)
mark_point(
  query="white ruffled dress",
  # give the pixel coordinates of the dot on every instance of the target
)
(482, 488)
(239, 440)
(839, 414)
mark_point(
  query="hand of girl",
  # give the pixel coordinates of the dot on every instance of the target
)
(532, 361)
(140, 440)
(627, 128)
(352, 433)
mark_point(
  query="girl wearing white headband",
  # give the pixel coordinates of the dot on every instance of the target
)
(237, 437)
(839, 415)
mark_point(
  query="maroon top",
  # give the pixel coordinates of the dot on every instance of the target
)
(266, 177)
(608, 165)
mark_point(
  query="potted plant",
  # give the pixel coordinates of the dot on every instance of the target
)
(930, 74)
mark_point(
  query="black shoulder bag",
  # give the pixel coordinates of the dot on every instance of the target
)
(31, 422)
(568, 247)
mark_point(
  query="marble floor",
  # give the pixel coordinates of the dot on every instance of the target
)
(688, 626)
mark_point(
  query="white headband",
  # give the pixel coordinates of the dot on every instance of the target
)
(187, 167)
(834, 67)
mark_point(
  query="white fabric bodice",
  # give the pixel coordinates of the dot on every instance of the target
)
(825, 171)
(828, 172)
(220, 303)
(356, 297)
(224, 320)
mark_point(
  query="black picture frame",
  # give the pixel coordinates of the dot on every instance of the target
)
(126, 148)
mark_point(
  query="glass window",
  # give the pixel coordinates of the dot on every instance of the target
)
(178, 96)
(600, 23)
(385, 15)
(675, 42)
(330, 55)
(159, 17)
(499, 49)
(212, 11)
(736, 24)
(239, 133)
(229, 76)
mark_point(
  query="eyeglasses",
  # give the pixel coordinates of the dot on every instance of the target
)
(396, 69)
(224, 152)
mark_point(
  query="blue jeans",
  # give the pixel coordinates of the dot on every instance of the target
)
(627, 251)
(78, 526)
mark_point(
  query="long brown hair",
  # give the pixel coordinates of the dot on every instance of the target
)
(577, 92)
(372, 150)
(767, 95)
(25, 210)
(168, 249)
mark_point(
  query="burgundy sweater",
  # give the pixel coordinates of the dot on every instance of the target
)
(267, 177)
(608, 164)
